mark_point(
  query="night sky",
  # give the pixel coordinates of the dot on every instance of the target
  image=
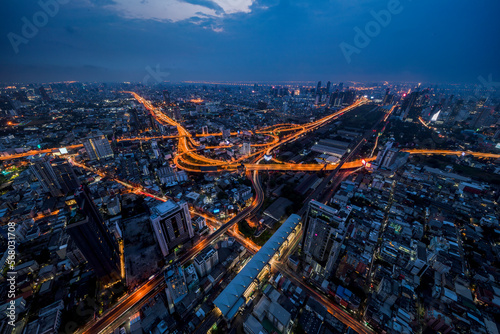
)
(249, 40)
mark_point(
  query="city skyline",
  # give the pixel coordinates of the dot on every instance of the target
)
(249, 166)
(248, 40)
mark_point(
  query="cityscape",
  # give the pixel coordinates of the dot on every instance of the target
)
(245, 188)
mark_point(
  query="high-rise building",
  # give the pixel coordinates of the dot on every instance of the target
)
(317, 100)
(484, 118)
(56, 176)
(97, 146)
(172, 225)
(89, 232)
(328, 85)
(390, 158)
(318, 87)
(386, 96)
(386, 156)
(43, 93)
(176, 288)
(156, 150)
(206, 261)
(166, 96)
(246, 148)
(65, 175)
(324, 234)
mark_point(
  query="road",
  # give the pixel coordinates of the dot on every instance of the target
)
(123, 310)
(187, 148)
(332, 308)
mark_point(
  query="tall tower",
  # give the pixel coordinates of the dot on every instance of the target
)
(56, 176)
(97, 146)
(65, 175)
(172, 225)
(44, 94)
(166, 96)
(89, 232)
(318, 87)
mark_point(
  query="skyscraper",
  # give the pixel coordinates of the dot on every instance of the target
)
(56, 176)
(172, 225)
(328, 85)
(324, 233)
(318, 87)
(65, 176)
(97, 146)
(483, 118)
(43, 93)
(166, 96)
(318, 93)
(89, 232)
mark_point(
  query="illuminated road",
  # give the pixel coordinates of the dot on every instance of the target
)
(187, 158)
(129, 304)
(34, 152)
(447, 152)
(332, 308)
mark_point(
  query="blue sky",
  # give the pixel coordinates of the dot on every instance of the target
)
(249, 40)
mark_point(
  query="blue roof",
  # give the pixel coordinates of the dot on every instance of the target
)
(229, 297)
(235, 308)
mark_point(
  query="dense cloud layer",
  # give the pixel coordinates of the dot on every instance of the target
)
(445, 41)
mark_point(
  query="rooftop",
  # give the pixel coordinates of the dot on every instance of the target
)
(235, 289)
(164, 208)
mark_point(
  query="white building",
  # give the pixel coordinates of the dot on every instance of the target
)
(206, 261)
(172, 225)
(97, 146)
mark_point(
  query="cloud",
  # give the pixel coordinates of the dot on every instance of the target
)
(178, 10)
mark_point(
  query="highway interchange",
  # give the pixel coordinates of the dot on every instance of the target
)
(188, 158)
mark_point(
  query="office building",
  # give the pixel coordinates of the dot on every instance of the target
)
(176, 288)
(386, 157)
(390, 158)
(206, 261)
(172, 225)
(97, 146)
(166, 97)
(246, 148)
(484, 118)
(89, 232)
(324, 235)
(318, 87)
(56, 176)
